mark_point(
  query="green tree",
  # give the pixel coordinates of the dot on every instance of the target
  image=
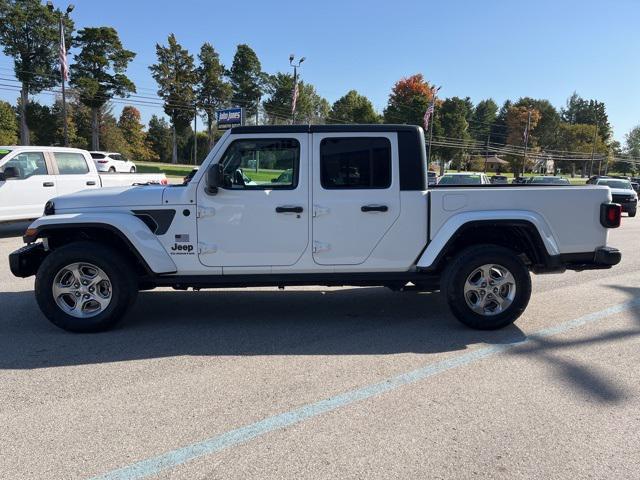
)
(587, 112)
(8, 124)
(133, 132)
(112, 137)
(518, 121)
(453, 113)
(176, 77)
(632, 149)
(353, 108)
(579, 138)
(546, 131)
(482, 119)
(30, 35)
(213, 92)
(499, 130)
(99, 72)
(42, 124)
(310, 107)
(408, 101)
(247, 79)
(159, 137)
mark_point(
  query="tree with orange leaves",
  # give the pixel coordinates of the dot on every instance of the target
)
(408, 101)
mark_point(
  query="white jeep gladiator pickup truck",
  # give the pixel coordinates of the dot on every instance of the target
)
(29, 176)
(340, 205)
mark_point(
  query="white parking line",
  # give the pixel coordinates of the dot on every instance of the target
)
(174, 458)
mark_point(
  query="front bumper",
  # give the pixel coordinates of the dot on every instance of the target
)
(25, 261)
(629, 206)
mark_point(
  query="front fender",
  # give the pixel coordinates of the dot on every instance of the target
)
(453, 224)
(131, 229)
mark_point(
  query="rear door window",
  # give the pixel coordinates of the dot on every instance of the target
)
(71, 163)
(355, 163)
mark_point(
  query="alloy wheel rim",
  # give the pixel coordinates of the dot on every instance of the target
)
(82, 290)
(490, 289)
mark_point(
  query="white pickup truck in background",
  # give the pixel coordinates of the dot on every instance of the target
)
(30, 176)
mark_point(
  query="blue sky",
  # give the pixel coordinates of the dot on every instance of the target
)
(494, 48)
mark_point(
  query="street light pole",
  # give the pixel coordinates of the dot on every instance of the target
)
(295, 92)
(526, 143)
(63, 51)
(593, 150)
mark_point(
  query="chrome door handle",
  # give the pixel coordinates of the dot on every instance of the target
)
(47, 184)
(91, 183)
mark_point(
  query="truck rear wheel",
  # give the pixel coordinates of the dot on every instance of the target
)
(487, 287)
(85, 287)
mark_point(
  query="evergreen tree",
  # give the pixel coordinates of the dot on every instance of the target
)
(8, 124)
(99, 72)
(247, 79)
(176, 77)
(159, 137)
(30, 35)
(133, 132)
(353, 108)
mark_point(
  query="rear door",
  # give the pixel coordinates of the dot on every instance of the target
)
(356, 195)
(32, 185)
(73, 172)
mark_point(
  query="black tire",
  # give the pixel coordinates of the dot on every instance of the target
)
(123, 282)
(632, 213)
(470, 260)
(112, 170)
(133, 170)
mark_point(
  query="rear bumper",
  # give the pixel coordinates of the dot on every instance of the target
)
(26, 261)
(599, 259)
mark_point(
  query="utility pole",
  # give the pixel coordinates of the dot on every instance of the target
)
(486, 157)
(195, 137)
(258, 111)
(295, 92)
(593, 150)
(64, 67)
(526, 143)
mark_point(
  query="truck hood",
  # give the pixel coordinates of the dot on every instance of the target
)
(623, 191)
(136, 196)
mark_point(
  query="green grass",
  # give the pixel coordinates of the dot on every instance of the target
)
(178, 171)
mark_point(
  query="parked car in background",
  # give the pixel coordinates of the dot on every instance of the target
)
(432, 178)
(499, 179)
(548, 180)
(111, 162)
(30, 176)
(463, 178)
(621, 192)
(635, 186)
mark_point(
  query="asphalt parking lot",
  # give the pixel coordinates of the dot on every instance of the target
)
(309, 383)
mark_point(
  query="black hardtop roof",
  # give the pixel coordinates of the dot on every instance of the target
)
(324, 128)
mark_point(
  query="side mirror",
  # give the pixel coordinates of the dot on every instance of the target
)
(214, 177)
(10, 172)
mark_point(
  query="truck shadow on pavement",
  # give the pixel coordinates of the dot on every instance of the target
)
(358, 321)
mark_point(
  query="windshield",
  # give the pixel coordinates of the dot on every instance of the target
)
(459, 180)
(615, 183)
(4, 152)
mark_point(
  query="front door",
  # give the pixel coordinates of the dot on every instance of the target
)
(356, 195)
(29, 185)
(260, 215)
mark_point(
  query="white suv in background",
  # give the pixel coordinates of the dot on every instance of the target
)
(112, 162)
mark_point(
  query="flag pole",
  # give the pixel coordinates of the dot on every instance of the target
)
(63, 74)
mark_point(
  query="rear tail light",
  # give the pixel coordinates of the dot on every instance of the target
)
(610, 215)
(103, 161)
(164, 182)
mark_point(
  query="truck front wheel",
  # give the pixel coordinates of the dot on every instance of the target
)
(85, 287)
(487, 287)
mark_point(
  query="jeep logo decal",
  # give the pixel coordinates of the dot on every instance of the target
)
(182, 248)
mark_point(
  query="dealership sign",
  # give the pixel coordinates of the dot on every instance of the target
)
(230, 117)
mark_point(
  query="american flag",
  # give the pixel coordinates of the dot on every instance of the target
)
(64, 64)
(295, 98)
(431, 107)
